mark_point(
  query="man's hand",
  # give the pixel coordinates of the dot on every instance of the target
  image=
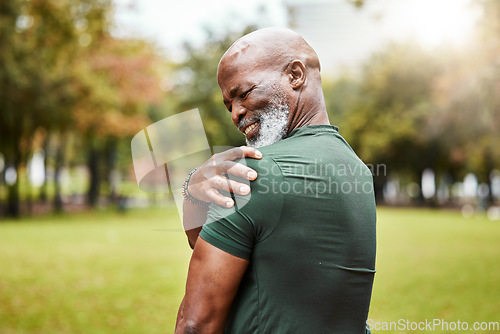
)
(209, 178)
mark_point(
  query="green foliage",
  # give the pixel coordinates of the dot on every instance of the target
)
(195, 86)
(386, 121)
(341, 94)
(62, 72)
(412, 109)
(69, 87)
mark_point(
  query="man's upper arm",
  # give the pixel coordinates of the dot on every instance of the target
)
(223, 251)
(213, 280)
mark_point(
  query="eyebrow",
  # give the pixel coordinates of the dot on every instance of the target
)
(234, 90)
(232, 93)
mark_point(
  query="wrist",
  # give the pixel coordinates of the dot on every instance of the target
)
(187, 196)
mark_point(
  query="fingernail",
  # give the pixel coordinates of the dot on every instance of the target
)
(258, 154)
(245, 189)
(229, 204)
(252, 175)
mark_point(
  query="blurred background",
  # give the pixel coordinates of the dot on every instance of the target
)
(412, 84)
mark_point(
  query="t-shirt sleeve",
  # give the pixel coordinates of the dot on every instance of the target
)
(236, 230)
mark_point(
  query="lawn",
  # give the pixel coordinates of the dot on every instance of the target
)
(92, 273)
(105, 272)
(436, 265)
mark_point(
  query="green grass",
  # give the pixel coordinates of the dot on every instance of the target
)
(436, 265)
(104, 272)
(92, 273)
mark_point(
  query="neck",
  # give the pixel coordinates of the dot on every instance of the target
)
(309, 114)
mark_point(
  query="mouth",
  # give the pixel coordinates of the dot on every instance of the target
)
(251, 130)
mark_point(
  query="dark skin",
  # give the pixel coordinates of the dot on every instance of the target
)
(248, 75)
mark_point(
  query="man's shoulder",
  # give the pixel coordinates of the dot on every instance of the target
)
(279, 148)
(266, 162)
(271, 153)
(261, 208)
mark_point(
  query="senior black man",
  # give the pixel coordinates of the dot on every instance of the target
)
(299, 256)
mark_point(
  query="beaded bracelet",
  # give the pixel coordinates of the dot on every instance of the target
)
(185, 193)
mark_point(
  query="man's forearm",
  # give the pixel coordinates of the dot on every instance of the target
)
(180, 315)
(180, 326)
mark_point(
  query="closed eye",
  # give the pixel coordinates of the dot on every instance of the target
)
(245, 94)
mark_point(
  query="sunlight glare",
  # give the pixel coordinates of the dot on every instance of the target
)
(436, 21)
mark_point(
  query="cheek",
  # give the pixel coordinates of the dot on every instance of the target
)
(259, 99)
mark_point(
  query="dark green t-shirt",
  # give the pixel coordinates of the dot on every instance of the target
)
(308, 229)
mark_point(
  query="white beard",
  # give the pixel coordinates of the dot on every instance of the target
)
(272, 124)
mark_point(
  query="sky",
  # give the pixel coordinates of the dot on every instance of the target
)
(341, 34)
(170, 23)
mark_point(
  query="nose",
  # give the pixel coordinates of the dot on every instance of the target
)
(237, 113)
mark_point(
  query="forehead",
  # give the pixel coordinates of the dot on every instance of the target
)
(243, 65)
(235, 81)
(234, 63)
(232, 73)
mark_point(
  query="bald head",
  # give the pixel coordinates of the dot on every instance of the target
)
(271, 83)
(272, 47)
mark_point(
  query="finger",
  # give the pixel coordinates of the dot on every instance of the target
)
(222, 183)
(237, 169)
(241, 152)
(219, 199)
(239, 188)
(251, 152)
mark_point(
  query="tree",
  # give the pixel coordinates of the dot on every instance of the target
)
(37, 41)
(195, 86)
(468, 95)
(128, 74)
(392, 107)
(62, 72)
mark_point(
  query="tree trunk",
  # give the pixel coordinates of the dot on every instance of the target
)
(13, 207)
(13, 199)
(489, 167)
(13, 160)
(43, 190)
(95, 180)
(111, 156)
(58, 203)
(378, 187)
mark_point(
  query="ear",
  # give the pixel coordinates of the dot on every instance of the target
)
(297, 73)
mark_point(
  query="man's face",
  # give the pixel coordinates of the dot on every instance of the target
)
(257, 103)
(271, 124)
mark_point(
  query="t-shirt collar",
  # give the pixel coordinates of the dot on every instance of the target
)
(313, 129)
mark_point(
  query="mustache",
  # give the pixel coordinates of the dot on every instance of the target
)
(244, 122)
